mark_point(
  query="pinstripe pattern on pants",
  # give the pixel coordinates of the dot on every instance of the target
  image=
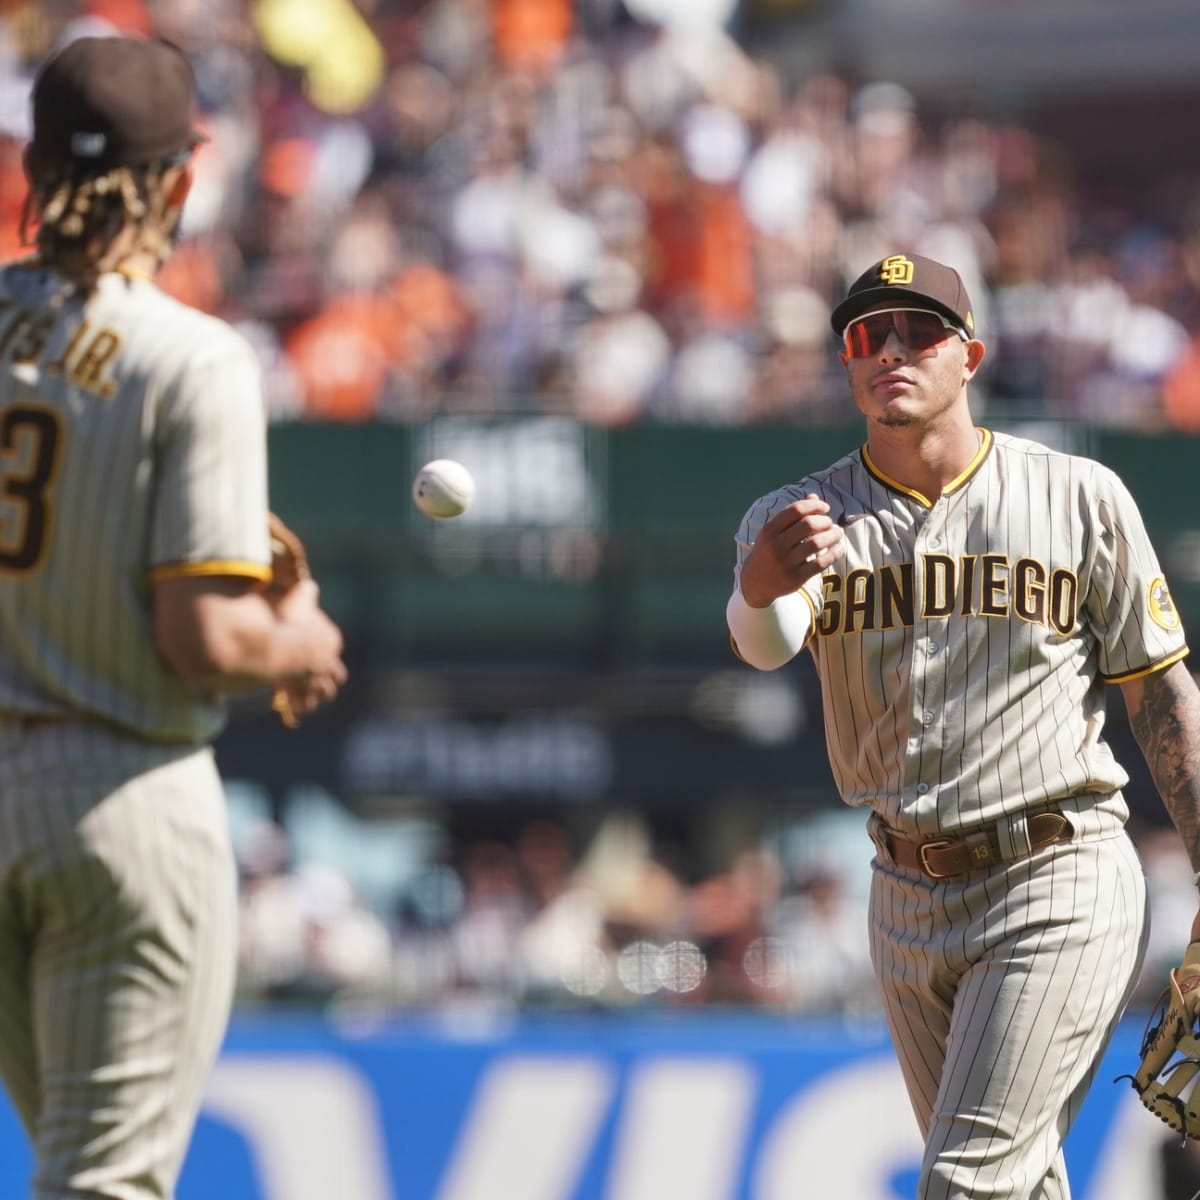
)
(1001, 992)
(117, 919)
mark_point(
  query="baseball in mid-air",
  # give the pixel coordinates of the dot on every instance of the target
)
(443, 488)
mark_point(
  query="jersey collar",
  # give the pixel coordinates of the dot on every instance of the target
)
(985, 445)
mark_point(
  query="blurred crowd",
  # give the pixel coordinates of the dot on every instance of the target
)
(416, 207)
(617, 919)
(541, 918)
(618, 211)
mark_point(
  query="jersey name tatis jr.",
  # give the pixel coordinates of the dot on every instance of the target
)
(25, 334)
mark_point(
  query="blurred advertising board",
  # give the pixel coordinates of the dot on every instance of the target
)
(682, 1106)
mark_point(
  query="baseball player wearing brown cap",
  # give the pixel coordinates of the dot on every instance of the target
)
(966, 596)
(133, 546)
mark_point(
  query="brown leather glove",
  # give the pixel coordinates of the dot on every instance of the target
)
(289, 565)
(1171, 1050)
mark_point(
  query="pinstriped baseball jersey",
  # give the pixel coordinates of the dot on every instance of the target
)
(132, 447)
(956, 621)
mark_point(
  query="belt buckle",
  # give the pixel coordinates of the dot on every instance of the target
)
(922, 852)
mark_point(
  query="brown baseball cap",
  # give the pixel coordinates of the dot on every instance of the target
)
(909, 280)
(105, 102)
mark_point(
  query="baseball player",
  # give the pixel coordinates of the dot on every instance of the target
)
(966, 597)
(133, 543)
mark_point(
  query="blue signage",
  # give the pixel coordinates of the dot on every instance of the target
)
(685, 1106)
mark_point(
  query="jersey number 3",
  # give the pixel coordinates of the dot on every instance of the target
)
(30, 440)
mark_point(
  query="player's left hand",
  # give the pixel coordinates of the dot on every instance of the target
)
(1170, 1049)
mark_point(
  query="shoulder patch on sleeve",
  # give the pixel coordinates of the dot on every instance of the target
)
(1161, 607)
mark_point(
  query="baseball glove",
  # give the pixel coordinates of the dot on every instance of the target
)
(289, 565)
(1171, 1050)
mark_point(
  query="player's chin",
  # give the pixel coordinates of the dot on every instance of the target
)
(890, 407)
(895, 417)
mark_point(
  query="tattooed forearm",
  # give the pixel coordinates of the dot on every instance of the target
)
(1165, 718)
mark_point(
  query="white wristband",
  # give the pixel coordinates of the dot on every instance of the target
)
(768, 637)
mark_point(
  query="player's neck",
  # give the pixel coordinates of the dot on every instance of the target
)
(131, 254)
(924, 458)
(141, 264)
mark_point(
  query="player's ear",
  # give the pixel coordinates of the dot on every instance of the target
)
(975, 350)
(178, 188)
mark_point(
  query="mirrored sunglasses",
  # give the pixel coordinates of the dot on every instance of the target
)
(918, 329)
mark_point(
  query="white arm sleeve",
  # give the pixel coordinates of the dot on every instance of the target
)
(767, 638)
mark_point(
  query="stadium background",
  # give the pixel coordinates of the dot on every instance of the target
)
(557, 901)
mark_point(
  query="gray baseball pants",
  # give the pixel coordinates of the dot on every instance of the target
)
(1002, 991)
(118, 900)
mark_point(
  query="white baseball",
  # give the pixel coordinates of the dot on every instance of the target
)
(443, 488)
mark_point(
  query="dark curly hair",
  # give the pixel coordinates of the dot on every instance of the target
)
(80, 217)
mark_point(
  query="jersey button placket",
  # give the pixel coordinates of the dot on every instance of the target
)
(922, 717)
(930, 537)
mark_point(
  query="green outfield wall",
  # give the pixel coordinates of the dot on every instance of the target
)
(563, 643)
(602, 546)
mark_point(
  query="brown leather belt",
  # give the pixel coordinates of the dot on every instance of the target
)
(28, 722)
(948, 858)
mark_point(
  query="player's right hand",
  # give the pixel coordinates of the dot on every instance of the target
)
(325, 671)
(797, 543)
